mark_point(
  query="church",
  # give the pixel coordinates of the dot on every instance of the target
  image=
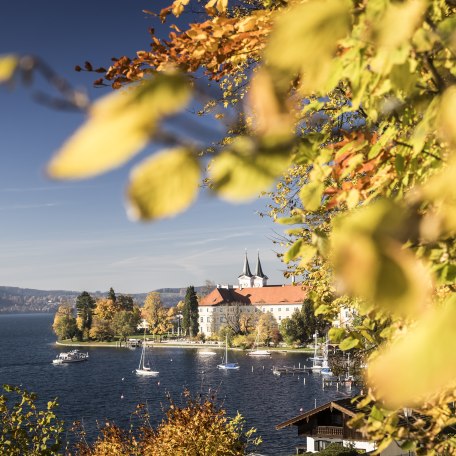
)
(252, 295)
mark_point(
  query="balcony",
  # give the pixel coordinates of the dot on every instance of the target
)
(328, 431)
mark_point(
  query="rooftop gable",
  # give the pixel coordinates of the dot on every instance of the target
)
(346, 406)
(272, 294)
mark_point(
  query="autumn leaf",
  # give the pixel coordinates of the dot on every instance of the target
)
(419, 366)
(163, 185)
(246, 168)
(119, 126)
(8, 65)
(305, 38)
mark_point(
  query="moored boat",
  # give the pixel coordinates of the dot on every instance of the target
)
(144, 368)
(226, 365)
(73, 356)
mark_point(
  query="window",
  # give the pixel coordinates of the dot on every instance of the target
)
(264, 310)
(287, 309)
(321, 444)
(202, 319)
(280, 318)
(279, 309)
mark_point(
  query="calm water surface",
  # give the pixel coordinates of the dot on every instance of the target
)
(92, 391)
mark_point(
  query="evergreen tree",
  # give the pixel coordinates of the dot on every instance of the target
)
(112, 295)
(125, 302)
(190, 313)
(84, 308)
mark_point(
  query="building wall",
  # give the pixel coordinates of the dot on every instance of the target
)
(314, 446)
(212, 318)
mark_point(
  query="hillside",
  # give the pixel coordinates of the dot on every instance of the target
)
(28, 300)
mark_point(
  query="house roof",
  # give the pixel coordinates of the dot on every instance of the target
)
(271, 294)
(345, 405)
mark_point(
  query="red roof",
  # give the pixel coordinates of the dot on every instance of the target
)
(272, 294)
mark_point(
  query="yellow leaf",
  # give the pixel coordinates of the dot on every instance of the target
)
(8, 65)
(372, 263)
(270, 114)
(219, 5)
(421, 365)
(305, 39)
(447, 121)
(400, 22)
(246, 168)
(311, 195)
(163, 185)
(119, 126)
(395, 31)
(178, 7)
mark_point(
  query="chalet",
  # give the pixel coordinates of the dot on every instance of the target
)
(251, 295)
(328, 424)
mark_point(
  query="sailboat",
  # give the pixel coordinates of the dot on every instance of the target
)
(226, 365)
(317, 360)
(144, 368)
(255, 351)
(325, 369)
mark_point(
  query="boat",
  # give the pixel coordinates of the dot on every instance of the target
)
(325, 369)
(226, 365)
(73, 356)
(317, 360)
(255, 351)
(144, 368)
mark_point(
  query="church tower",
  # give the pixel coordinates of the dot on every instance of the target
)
(260, 279)
(246, 278)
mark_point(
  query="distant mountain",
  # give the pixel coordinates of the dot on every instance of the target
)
(27, 300)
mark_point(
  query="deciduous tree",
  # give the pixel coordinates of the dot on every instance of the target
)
(64, 324)
(156, 315)
(125, 322)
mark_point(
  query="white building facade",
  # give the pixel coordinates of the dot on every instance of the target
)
(252, 296)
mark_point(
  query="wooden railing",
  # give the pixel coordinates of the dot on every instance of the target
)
(333, 431)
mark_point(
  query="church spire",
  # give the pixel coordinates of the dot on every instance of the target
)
(259, 270)
(246, 271)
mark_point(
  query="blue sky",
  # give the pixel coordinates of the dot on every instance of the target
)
(76, 235)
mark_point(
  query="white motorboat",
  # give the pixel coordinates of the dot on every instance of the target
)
(73, 356)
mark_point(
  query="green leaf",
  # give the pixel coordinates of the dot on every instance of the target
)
(163, 185)
(336, 334)
(420, 365)
(311, 31)
(8, 65)
(372, 263)
(290, 220)
(293, 251)
(119, 126)
(306, 254)
(247, 168)
(349, 343)
(311, 195)
(446, 120)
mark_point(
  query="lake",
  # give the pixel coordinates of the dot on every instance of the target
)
(105, 387)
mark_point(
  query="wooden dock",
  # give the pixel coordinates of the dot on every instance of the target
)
(283, 370)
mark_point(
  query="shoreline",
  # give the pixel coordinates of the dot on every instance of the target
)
(177, 345)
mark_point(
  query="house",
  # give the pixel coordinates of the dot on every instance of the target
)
(251, 296)
(327, 424)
